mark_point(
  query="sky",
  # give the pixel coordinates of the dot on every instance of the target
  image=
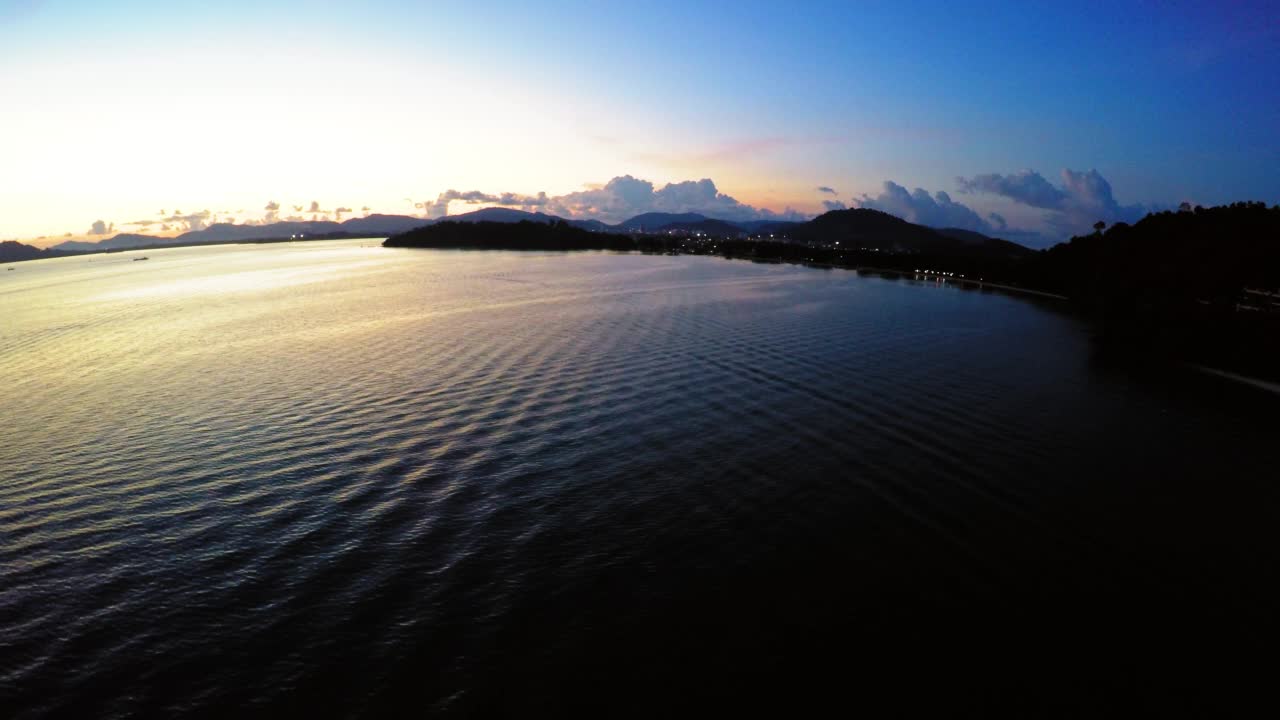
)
(1017, 119)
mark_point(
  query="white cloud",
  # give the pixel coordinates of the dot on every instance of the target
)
(624, 197)
(1072, 208)
(918, 206)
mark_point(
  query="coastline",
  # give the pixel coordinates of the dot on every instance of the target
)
(966, 281)
(1267, 385)
(63, 254)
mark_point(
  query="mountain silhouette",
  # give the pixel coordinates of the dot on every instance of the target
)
(651, 221)
(14, 251)
(765, 227)
(862, 228)
(500, 215)
(706, 226)
(855, 228)
(379, 225)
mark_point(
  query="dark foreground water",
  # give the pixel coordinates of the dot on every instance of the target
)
(347, 480)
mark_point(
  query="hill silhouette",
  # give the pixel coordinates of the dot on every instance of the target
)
(523, 235)
(1202, 284)
(706, 226)
(651, 221)
(875, 230)
(859, 227)
(14, 251)
(501, 215)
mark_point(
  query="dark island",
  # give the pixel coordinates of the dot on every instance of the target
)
(1199, 284)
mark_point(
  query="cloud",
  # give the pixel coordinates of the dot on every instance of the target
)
(617, 200)
(1027, 187)
(272, 209)
(315, 207)
(144, 223)
(918, 206)
(1083, 198)
(101, 228)
(833, 205)
(475, 197)
(1068, 209)
(191, 222)
(339, 212)
(825, 189)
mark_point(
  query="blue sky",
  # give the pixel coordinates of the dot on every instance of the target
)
(122, 109)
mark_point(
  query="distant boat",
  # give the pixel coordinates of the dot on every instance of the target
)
(144, 257)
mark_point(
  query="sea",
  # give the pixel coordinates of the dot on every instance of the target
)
(334, 479)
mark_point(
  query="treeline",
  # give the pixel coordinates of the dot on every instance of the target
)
(1198, 283)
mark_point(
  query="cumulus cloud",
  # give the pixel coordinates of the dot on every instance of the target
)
(101, 228)
(833, 205)
(825, 189)
(1082, 199)
(1027, 187)
(272, 209)
(918, 206)
(339, 212)
(192, 222)
(315, 207)
(440, 206)
(620, 198)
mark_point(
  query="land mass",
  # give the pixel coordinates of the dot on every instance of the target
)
(1199, 284)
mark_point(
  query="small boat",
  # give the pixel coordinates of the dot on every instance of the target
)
(144, 257)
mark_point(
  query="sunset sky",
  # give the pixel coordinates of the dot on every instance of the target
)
(1033, 122)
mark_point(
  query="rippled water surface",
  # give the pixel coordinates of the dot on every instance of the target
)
(337, 478)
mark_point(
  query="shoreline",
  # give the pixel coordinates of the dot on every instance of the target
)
(1267, 385)
(64, 254)
(966, 281)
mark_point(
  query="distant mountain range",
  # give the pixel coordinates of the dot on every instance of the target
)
(14, 251)
(858, 228)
